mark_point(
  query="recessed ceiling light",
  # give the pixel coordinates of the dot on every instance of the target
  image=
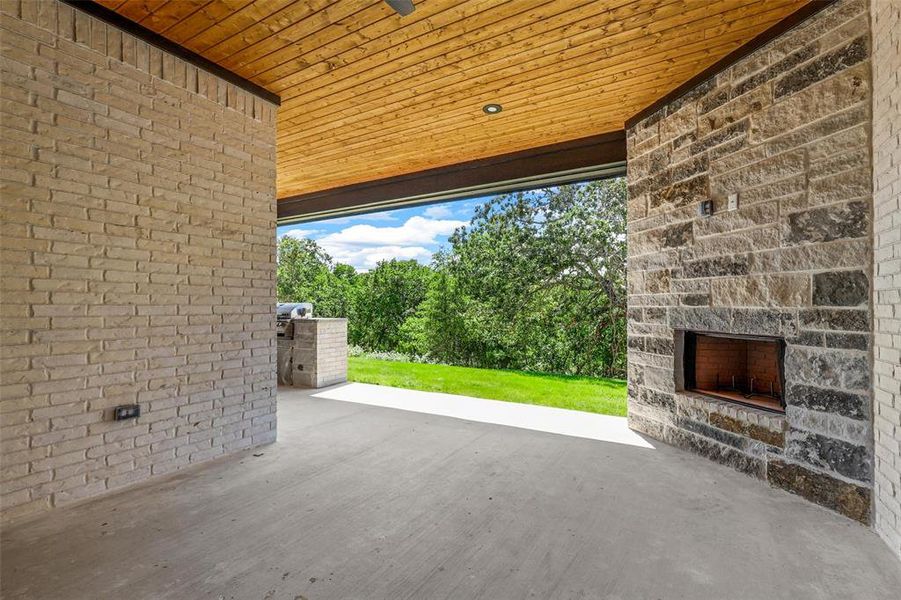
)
(401, 7)
(492, 109)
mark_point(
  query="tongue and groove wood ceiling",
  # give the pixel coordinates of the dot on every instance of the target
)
(367, 94)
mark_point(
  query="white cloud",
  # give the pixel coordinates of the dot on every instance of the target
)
(416, 230)
(365, 259)
(299, 234)
(438, 212)
(363, 246)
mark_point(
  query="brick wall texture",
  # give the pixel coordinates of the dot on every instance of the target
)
(138, 266)
(886, 25)
(788, 129)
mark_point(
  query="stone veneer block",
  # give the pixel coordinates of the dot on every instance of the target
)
(786, 129)
(847, 498)
(138, 252)
(319, 353)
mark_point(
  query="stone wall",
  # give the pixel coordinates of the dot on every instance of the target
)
(138, 230)
(319, 352)
(787, 129)
(886, 24)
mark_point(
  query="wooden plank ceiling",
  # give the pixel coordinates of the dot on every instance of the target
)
(367, 94)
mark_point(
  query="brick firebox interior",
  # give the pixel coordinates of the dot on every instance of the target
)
(138, 260)
(787, 130)
(748, 371)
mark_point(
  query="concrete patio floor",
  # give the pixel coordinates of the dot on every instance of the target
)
(361, 501)
(525, 416)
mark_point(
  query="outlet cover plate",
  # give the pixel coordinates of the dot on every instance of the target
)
(705, 208)
(126, 411)
(733, 202)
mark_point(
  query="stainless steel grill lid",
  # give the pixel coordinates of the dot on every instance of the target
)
(285, 311)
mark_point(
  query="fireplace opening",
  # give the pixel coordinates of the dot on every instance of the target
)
(743, 369)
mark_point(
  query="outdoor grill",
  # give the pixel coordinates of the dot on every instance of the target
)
(285, 311)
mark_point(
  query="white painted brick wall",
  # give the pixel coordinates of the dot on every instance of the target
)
(886, 22)
(138, 261)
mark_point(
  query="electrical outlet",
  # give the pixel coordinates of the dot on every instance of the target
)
(733, 202)
(126, 411)
(705, 208)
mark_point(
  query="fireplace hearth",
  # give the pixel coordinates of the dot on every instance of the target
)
(746, 370)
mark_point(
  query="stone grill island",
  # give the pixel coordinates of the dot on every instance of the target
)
(779, 142)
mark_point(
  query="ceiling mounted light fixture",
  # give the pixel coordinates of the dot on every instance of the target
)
(401, 7)
(492, 109)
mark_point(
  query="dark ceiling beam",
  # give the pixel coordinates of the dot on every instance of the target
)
(154, 39)
(576, 160)
(797, 17)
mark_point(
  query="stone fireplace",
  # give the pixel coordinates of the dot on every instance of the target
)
(773, 285)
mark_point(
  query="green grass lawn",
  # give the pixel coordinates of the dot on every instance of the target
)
(590, 394)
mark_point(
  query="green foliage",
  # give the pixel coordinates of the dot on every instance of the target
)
(388, 296)
(301, 266)
(441, 323)
(537, 281)
(305, 273)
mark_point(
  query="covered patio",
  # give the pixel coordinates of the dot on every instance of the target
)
(151, 148)
(360, 501)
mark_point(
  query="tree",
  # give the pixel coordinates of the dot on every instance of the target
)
(388, 296)
(306, 273)
(447, 333)
(337, 296)
(301, 266)
(544, 273)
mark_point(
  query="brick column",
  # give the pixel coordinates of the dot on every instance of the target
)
(886, 19)
(138, 259)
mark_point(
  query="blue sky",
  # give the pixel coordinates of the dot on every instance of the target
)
(409, 233)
